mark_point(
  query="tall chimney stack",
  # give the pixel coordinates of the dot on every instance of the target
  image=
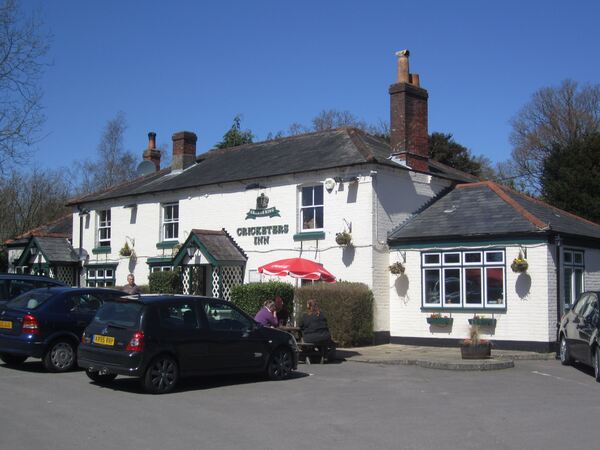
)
(151, 153)
(408, 118)
(184, 150)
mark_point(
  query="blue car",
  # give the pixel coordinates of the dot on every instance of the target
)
(47, 323)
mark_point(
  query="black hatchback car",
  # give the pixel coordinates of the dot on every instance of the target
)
(14, 284)
(161, 338)
(579, 333)
(48, 323)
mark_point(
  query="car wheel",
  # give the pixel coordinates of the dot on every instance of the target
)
(12, 360)
(96, 376)
(161, 375)
(280, 364)
(60, 357)
(597, 364)
(565, 354)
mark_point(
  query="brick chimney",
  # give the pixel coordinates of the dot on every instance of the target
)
(151, 153)
(184, 150)
(408, 118)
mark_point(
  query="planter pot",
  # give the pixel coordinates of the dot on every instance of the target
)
(479, 351)
(483, 322)
(440, 321)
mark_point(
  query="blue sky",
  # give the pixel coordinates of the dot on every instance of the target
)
(193, 65)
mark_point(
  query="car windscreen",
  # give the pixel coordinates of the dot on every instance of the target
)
(120, 314)
(30, 300)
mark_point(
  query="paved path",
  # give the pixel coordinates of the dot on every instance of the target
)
(435, 357)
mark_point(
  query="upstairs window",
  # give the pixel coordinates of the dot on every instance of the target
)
(170, 221)
(311, 210)
(104, 228)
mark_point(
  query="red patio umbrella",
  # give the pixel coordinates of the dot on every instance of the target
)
(297, 268)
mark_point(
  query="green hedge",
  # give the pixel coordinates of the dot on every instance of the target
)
(348, 308)
(250, 297)
(164, 283)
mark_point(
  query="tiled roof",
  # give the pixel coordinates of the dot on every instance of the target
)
(61, 227)
(488, 209)
(340, 147)
(56, 249)
(220, 245)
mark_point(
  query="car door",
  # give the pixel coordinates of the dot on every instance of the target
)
(181, 329)
(82, 307)
(573, 327)
(587, 327)
(235, 341)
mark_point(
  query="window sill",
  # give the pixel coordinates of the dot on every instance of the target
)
(166, 244)
(309, 236)
(101, 250)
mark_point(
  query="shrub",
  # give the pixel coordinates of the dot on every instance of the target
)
(348, 308)
(164, 283)
(250, 297)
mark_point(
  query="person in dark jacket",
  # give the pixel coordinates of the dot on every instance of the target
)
(283, 315)
(314, 325)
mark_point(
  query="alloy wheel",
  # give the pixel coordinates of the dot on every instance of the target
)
(280, 365)
(565, 358)
(161, 376)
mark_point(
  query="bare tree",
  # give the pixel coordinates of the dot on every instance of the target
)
(113, 164)
(30, 200)
(554, 116)
(22, 49)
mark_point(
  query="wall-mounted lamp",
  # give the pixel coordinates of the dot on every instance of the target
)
(191, 250)
(33, 250)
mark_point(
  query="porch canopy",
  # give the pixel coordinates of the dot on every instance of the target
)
(304, 269)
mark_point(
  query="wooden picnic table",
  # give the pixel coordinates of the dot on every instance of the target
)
(308, 349)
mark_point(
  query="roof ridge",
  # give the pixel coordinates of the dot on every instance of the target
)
(499, 191)
(356, 136)
(32, 231)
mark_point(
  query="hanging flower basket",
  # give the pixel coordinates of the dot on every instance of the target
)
(126, 251)
(397, 268)
(519, 265)
(344, 238)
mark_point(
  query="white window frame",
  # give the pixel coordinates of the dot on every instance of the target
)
(104, 225)
(313, 206)
(100, 276)
(483, 267)
(167, 223)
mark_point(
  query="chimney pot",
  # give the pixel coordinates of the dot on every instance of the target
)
(152, 140)
(403, 72)
(151, 153)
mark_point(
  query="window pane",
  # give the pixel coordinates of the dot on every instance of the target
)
(319, 217)
(308, 218)
(495, 286)
(578, 281)
(568, 257)
(432, 287)
(473, 286)
(452, 286)
(494, 257)
(451, 258)
(568, 276)
(318, 195)
(307, 196)
(472, 257)
(578, 257)
(432, 258)
(175, 213)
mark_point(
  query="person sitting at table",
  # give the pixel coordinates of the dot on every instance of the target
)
(282, 313)
(266, 315)
(314, 325)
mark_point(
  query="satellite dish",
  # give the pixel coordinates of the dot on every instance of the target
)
(145, 168)
(329, 183)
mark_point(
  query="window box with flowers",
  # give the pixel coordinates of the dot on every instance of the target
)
(397, 268)
(344, 238)
(474, 347)
(482, 321)
(439, 320)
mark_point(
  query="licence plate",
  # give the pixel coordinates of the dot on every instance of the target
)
(104, 340)
(6, 324)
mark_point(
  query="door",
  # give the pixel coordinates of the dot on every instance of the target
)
(235, 342)
(81, 309)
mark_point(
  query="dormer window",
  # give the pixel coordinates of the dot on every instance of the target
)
(170, 221)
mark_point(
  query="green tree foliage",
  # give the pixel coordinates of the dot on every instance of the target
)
(571, 177)
(251, 297)
(443, 148)
(236, 136)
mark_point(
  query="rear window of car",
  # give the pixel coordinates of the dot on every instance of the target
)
(124, 314)
(30, 300)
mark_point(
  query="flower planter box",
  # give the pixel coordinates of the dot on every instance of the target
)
(483, 322)
(440, 321)
(479, 351)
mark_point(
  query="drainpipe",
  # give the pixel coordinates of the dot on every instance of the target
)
(82, 213)
(558, 242)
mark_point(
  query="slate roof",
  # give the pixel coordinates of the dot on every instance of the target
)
(220, 245)
(56, 249)
(328, 149)
(61, 227)
(488, 209)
